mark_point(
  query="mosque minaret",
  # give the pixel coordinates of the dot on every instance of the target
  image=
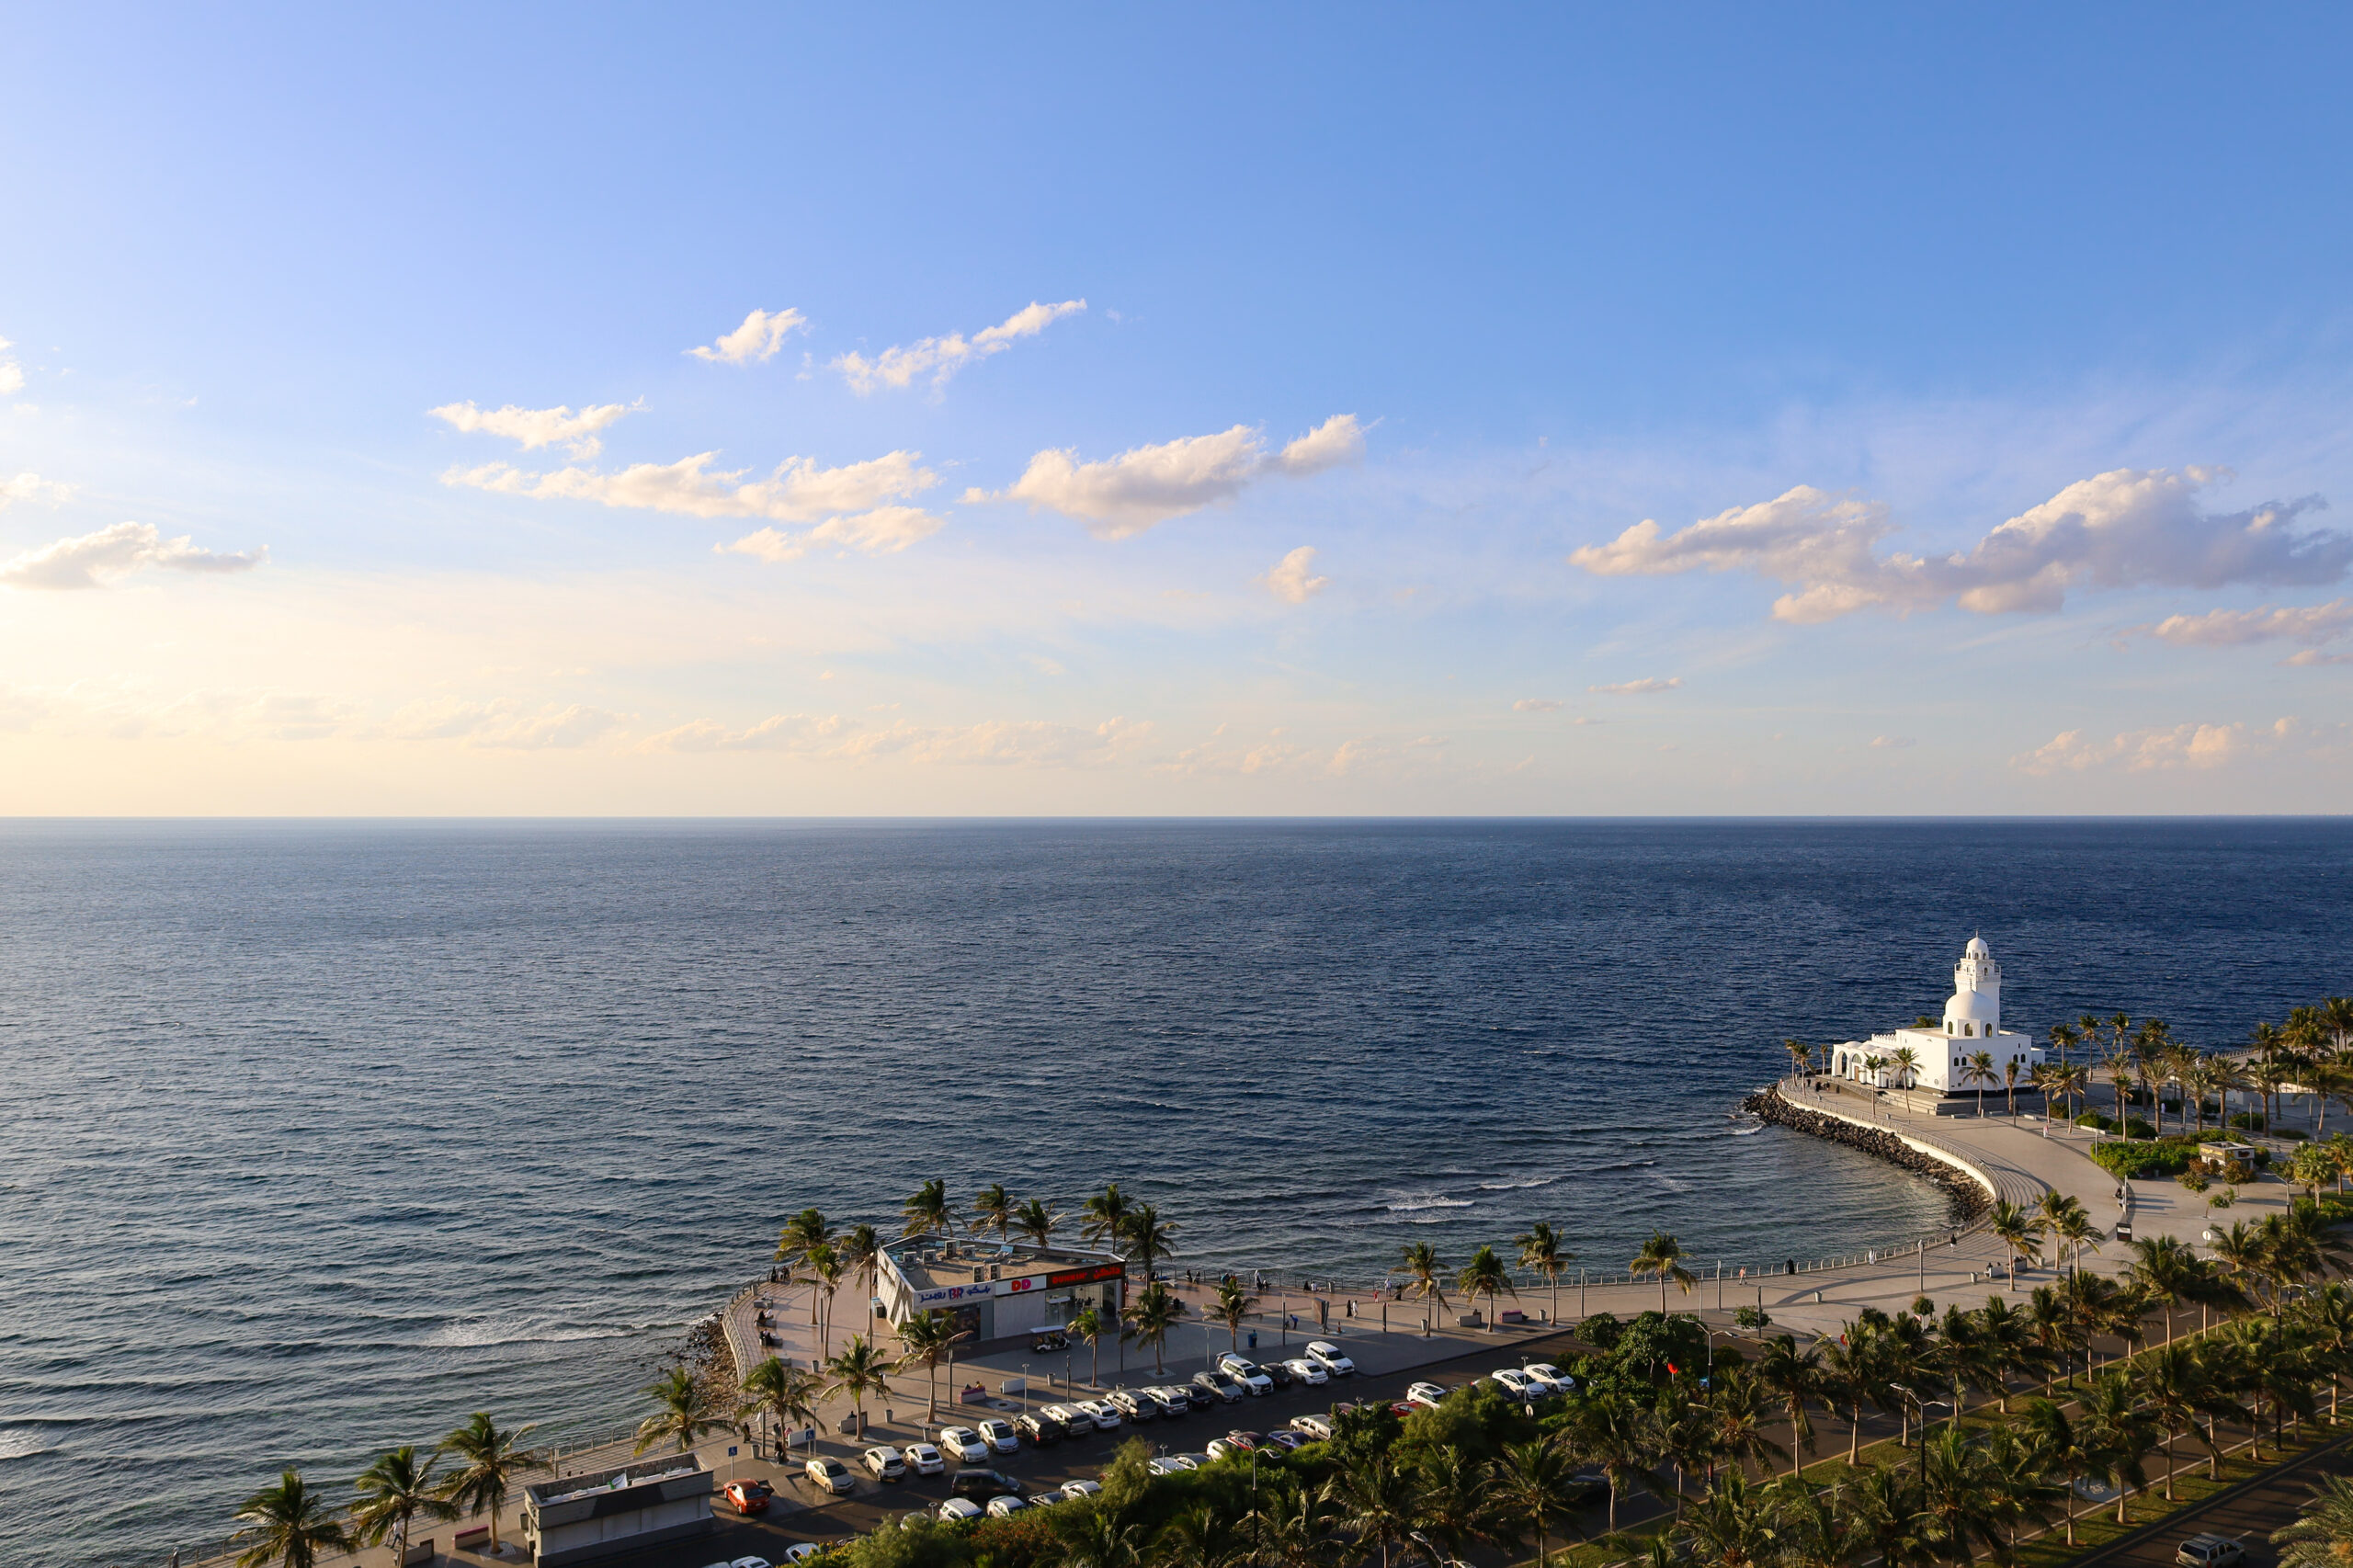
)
(1939, 1059)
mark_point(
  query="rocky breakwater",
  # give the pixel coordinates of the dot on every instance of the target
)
(1969, 1198)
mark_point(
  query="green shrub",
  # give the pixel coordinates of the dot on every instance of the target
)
(2293, 1134)
(2248, 1121)
(2143, 1160)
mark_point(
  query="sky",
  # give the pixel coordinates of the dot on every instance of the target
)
(1259, 410)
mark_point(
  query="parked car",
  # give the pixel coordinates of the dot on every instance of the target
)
(965, 1445)
(1279, 1373)
(749, 1562)
(1221, 1385)
(1165, 1465)
(956, 1510)
(1551, 1374)
(749, 1496)
(1043, 1431)
(1316, 1428)
(2208, 1551)
(829, 1476)
(1074, 1421)
(1198, 1395)
(1311, 1373)
(1285, 1440)
(1246, 1441)
(1330, 1357)
(1172, 1401)
(1000, 1435)
(1134, 1404)
(1246, 1373)
(1105, 1416)
(1074, 1490)
(1224, 1448)
(981, 1485)
(885, 1462)
(1425, 1393)
(1005, 1508)
(1516, 1384)
(924, 1460)
(801, 1551)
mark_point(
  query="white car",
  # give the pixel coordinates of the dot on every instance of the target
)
(1311, 1373)
(1318, 1427)
(1074, 1490)
(1105, 1416)
(749, 1562)
(958, 1509)
(1172, 1401)
(1329, 1354)
(1242, 1371)
(801, 1551)
(1071, 1418)
(965, 1444)
(1005, 1508)
(1561, 1382)
(1165, 1465)
(1424, 1395)
(924, 1460)
(1519, 1384)
(829, 1476)
(1000, 1435)
(885, 1462)
(1225, 1448)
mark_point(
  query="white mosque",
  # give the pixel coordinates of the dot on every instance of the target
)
(1940, 1058)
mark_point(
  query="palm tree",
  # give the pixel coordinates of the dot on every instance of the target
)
(786, 1395)
(2010, 1070)
(1733, 1421)
(1795, 1379)
(1195, 1536)
(1485, 1276)
(822, 1266)
(1977, 1068)
(1089, 1326)
(1105, 1216)
(1422, 1268)
(1234, 1304)
(861, 1254)
(1455, 1506)
(1734, 1527)
(289, 1525)
(1037, 1221)
(1906, 1062)
(1292, 1529)
(2064, 1450)
(1801, 1057)
(2325, 1317)
(993, 1210)
(927, 1212)
(1150, 1317)
(2167, 1272)
(2014, 1228)
(859, 1370)
(490, 1462)
(1612, 1431)
(392, 1492)
(687, 1413)
(2007, 1346)
(804, 1231)
(2118, 1069)
(2118, 1434)
(1377, 1503)
(2322, 1535)
(1534, 1484)
(1662, 1255)
(1148, 1236)
(1853, 1372)
(926, 1341)
(1540, 1252)
(2176, 1386)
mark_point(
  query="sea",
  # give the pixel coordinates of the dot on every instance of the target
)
(316, 1136)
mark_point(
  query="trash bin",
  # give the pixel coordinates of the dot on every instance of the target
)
(1253, 1339)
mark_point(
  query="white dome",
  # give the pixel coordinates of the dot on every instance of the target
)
(1977, 948)
(1973, 1007)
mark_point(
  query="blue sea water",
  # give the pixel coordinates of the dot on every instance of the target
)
(318, 1136)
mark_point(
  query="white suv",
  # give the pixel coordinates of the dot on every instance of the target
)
(1242, 1371)
(1329, 1357)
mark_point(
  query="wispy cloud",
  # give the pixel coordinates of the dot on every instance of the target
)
(1892, 742)
(1289, 581)
(12, 375)
(1649, 686)
(537, 427)
(2310, 625)
(2129, 528)
(30, 487)
(856, 505)
(759, 338)
(2150, 750)
(504, 724)
(941, 358)
(1124, 496)
(996, 742)
(1535, 705)
(93, 559)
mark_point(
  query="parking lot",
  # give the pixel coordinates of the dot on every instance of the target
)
(801, 1513)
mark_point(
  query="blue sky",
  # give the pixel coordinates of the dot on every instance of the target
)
(2006, 352)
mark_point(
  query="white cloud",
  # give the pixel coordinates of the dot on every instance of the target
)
(93, 558)
(1892, 742)
(1535, 705)
(941, 358)
(996, 742)
(12, 375)
(30, 487)
(1289, 581)
(758, 338)
(1122, 496)
(851, 505)
(2129, 528)
(2312, 625)
(504, 724)
(1650, 686)
(537, 427)
(2143, 751)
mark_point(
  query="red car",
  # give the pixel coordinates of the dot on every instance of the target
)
(750, 1497)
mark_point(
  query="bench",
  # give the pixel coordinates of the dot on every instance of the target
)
(421, 1551)
(473, 1539)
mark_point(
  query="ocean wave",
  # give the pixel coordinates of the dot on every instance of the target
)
(481, 1332)
(1749, 1131)
(1415, 1205)
(24, 1445)
(1508, 1186)
(1626, 1166)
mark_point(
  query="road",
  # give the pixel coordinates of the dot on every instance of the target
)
(2247, 1517)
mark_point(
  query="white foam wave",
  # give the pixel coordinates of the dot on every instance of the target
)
(23, 1445)
(1415, 1205)
(1508, 1186)
(1752, 1128)
(480, 1332)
